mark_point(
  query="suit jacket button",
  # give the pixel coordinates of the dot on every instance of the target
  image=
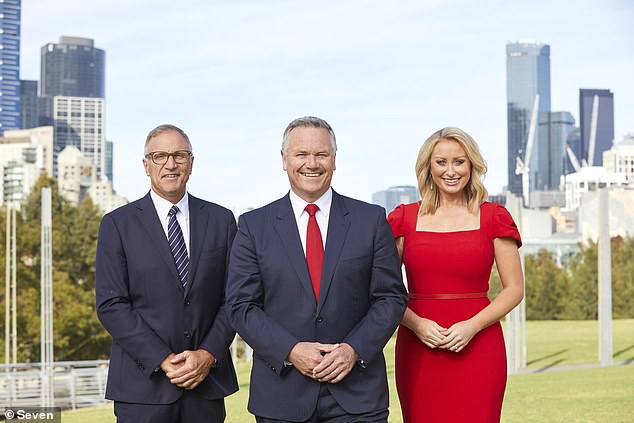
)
(319, 319)
(187, 334)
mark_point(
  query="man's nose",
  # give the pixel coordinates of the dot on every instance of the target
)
(311, 161)
(171, 162)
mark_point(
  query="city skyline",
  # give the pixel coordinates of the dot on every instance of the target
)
(232, 75)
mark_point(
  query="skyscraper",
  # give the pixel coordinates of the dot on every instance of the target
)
(72, 97)
(527, 74)
(28, 102)
(73, 68)
(9, 65)
(80, 122)
(393, 196)
(604, 105)
(562, 124)
(108, 160)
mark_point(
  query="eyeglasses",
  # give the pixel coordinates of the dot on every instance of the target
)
(161, 157)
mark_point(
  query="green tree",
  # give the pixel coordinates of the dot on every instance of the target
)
(545, 287)
(77, 332)
(623, 277)
(581, 301)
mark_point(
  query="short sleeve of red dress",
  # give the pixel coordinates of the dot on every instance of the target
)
(395, 219)
(503, 225)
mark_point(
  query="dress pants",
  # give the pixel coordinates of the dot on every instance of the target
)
(328, 410)
(189, 408)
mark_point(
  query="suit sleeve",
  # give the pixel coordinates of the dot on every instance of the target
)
(125, 325)
(245, 298)
(221, 333)
(388, 297)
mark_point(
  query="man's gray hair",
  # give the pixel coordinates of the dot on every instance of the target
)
(315, 122)
(166, 127)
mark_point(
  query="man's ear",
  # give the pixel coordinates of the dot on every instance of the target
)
(146, 166)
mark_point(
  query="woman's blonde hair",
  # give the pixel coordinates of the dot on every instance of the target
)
(475, 192)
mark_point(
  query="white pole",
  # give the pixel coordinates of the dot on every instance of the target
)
(515, 334)
(593, 130)
(14, 302)
(7, 291)
(46, 303)
(605, 281)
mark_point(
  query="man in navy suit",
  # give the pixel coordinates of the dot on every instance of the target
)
(160, 278)
(315, 288)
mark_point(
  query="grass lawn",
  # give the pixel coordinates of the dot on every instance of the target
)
(576, 396)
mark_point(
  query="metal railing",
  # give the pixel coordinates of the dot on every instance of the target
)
(76, 384)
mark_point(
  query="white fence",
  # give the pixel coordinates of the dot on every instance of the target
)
(76, 384)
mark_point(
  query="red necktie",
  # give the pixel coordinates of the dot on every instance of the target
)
(314, 249)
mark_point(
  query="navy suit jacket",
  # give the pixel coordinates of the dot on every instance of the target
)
(142, 304)
(271, 304)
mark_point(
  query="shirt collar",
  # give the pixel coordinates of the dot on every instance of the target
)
(299, 205)
(163, 206)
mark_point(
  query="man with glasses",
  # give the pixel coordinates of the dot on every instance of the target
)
(160, 277)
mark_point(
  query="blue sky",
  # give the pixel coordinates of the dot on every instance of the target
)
(385, 75)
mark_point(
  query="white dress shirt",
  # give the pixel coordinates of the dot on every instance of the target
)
(163, 207)
(301, 215)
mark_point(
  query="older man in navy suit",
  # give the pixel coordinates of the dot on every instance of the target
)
(160, 278)
(315, 288)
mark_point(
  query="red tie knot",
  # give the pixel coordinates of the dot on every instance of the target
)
(311, 209)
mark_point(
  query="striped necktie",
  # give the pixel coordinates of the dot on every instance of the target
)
(177, 245)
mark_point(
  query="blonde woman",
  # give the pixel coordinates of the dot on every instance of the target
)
(450, 356)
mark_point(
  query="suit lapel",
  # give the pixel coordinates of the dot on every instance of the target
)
(286, 227)
(338, 225)
(149, 219)
(198, 222)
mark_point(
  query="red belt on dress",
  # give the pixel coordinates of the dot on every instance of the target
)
(453, 296)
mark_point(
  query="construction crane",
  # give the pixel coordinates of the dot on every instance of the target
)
(593, 130)
(594, 120)
(522, 167)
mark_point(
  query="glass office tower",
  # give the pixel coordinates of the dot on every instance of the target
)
(605, 123)
(527, 74)
(9, 65)
(73, 68)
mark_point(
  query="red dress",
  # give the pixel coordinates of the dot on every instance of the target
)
(448, 277)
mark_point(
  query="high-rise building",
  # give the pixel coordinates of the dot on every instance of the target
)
(28, 101)
(393, 196)
(108, 163)
(562, 124)
(600, 102)
(527, 74)
(9, 65)
(80, 122)
(73, 68)
(24, 155)
(72, 97)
